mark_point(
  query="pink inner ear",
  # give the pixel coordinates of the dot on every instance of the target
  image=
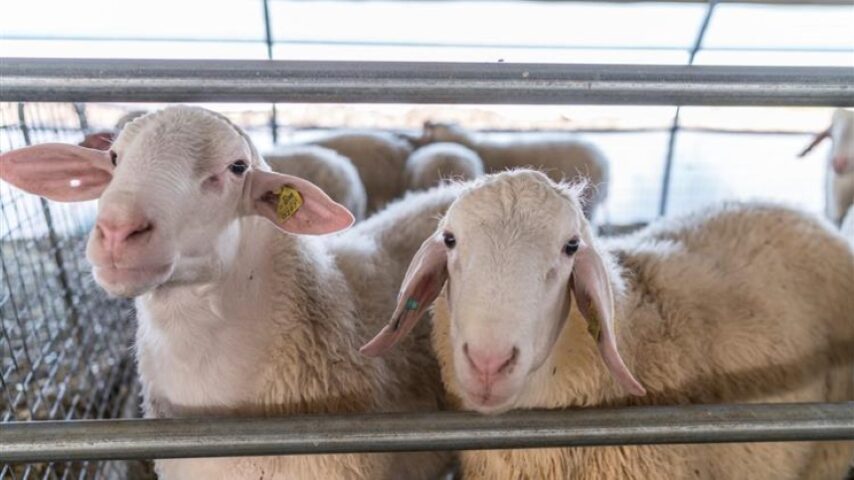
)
(64, 173)
(318, 214)
(423, 282)
(102, 140)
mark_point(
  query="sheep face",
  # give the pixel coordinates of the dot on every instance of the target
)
(172, 190)
(508, 271)
(510, 250)
(176, 191)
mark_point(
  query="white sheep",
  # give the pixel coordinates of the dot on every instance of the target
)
(739, 303)
(436, 163)
(380, 158)
(327, 169)
(839, 194)
(561, 157)
(102, 139)
(236, 317)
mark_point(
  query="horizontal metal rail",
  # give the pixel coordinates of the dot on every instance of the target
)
(120, 80)
(201, 437)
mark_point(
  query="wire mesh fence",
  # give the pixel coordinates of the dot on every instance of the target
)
(65, 353)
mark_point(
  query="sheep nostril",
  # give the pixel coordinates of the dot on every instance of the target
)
(510, 361)
(148, 227)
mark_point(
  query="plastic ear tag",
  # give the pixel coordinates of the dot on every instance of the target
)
(593, 326)
(411, 304)
(289, 202)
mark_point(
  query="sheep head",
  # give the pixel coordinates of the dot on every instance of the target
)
(509, 252)
(171, 188)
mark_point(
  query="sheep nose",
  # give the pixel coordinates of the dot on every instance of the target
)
(488, 363)
(117, 233)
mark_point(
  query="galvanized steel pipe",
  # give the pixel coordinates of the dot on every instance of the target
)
(119, 80)
(196, 437)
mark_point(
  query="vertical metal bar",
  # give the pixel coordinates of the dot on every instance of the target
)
(671, 141)
(73, 316)
(274, 126)
(80, 108)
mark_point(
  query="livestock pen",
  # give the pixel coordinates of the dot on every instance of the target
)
(69, 397)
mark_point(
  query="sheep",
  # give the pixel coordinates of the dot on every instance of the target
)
(435, 163)
(102, 139)
(327, 169)
(380, 158)
(234, 316)
(559, 157)
(738, 303)
(839, 194)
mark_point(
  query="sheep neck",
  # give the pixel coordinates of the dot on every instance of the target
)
(207, 349)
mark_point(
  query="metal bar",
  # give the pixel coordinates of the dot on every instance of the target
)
(671, 140)
(203, 437)
(415, 82)
(268, 35)
(425, 44)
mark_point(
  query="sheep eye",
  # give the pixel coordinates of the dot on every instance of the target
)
(114, 158)
(571, 246)
(449, 239)
(239, 167)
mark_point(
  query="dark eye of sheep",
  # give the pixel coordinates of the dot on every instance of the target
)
(571, 246)
(239, 167)
(114, 157)
(449, 239)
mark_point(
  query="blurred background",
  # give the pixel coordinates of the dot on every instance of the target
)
(706, 153)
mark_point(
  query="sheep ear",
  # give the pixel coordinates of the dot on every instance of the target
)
(102, 140)
(819, 137)
(595, 298)
(60, 172)
(295, 205)
(423, 282)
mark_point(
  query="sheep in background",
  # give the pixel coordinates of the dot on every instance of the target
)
(739, 303)
(433, 164)
(839, 195)
(102, 139)
(234, 316)
(327, 169)
(559, 156)
(380, 158)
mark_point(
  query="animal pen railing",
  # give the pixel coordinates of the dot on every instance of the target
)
(65, 348)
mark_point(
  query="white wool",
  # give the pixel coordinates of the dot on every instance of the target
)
(561, 157)
(437, 163)
(380, 158)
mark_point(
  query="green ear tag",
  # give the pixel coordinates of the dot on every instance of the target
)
(290, 201)
(411, 304)
(593, 326)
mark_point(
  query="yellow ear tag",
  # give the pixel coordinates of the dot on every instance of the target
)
(594, 329)
(290, 201)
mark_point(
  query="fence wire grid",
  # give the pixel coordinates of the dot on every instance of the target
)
(65, 349)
